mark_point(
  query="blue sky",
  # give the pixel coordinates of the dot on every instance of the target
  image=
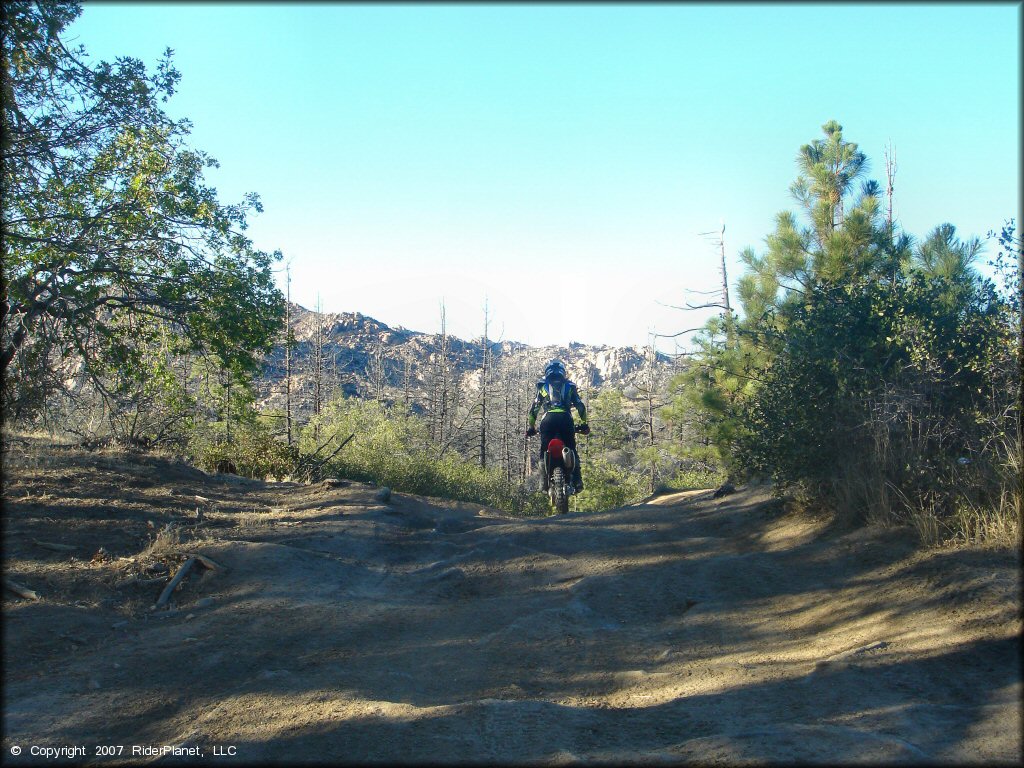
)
(560, 161)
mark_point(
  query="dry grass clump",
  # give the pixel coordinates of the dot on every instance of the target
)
(257, 518)
(167, 541)
(971, 522)
(991, 527)
(30, 452)
(977, 505)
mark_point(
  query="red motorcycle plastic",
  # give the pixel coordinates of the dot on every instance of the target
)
(559, 462)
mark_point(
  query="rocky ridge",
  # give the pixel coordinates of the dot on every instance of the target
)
(351, 340)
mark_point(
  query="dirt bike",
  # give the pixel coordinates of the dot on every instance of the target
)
(559, 462)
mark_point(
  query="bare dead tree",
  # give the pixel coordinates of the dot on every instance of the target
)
(648, 393)
(890, 176)
(406, 379)
(376, 371)
(442, 387)
(317, 362)
(720, 296)
(484, 373)
(520, 409)
(289, 341)
(725, 275)
(442, 378)
(510, 422)
(652, 399)
(332, 377)
(507, 425)
(433, 376)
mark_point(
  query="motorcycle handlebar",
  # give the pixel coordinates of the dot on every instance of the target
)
(576, 428)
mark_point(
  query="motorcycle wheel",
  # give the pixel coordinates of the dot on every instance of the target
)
(559, 499)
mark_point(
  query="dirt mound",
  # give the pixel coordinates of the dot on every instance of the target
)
(332, 626)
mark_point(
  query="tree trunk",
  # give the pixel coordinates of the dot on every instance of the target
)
(483, 393)
(288, 356)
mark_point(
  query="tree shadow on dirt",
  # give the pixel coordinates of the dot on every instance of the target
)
(482, 633)
(929, 719)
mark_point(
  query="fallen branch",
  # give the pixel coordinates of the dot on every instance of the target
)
(206, 562)
(54, 547)
(20, 591)
(181, 574)
(310, 472)
(846, 656)
(878, 644)
(305, 461)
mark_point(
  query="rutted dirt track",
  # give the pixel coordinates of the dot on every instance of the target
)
(342, 628)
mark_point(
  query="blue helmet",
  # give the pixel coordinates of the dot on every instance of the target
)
(554, 368)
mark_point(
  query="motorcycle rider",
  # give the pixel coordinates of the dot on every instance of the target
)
(556, 396)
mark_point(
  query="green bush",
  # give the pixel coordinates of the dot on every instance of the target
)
(394, 449)
(878, 386)
(250, 446)
(693, 479)
(607, 486)
(391, 448)
(870, 373)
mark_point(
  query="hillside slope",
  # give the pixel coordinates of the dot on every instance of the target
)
(350, 340)
(337, 627)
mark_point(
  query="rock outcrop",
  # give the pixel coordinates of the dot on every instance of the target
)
(359, 350)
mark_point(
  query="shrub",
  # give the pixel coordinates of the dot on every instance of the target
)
(607, 486)
(393, 449)
(250, 446)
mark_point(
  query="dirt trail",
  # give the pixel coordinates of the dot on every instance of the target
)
(347, 629)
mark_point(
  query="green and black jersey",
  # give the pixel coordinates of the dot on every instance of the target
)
(556, 396)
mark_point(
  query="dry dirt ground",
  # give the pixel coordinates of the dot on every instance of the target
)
(336, 627)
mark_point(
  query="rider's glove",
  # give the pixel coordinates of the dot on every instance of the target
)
(530, 432)
(583, 429)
